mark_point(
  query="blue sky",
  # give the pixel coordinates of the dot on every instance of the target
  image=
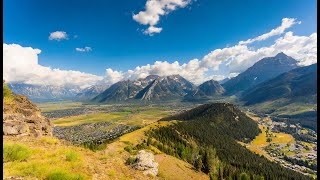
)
(108, 27)
(118, 41)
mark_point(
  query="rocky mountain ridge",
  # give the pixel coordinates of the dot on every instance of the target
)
(263, 70)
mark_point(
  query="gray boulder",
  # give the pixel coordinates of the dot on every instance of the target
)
(146, 163)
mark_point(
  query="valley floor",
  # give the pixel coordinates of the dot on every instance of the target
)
(276, 145)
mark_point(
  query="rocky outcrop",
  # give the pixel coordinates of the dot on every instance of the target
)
(145, 162)
(22, 117)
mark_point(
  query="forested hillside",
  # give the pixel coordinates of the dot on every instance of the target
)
(207, 136)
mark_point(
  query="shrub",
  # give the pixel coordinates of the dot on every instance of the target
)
(72, 156)
(62, 175)
(6, 90)
(15, 152)
(129, 149)
(131, 160)
(244, 176)
(112, 173)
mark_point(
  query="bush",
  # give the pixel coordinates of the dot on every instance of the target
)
(6, 90)
(15, 152)
(244, 176)
(131, 160)
(129, 149)
(72, 156)
(62, 175)
(112, 173)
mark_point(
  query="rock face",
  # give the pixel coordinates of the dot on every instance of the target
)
(22, 117)
(146, 163)
(151, 88)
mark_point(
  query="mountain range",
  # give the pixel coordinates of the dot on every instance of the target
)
(295, 84)
(152, 88)
(261, 71)
(43, 93)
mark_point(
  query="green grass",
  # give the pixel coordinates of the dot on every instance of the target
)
(52, 106)
(62, 175)
(49, 140)
(15, 152)
(72, 156)
(131, 160)
(112, 173)
(128, 117)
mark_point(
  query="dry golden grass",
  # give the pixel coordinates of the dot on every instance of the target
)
(253, 116)
(51, 155)
(277, 138)
(175, 169)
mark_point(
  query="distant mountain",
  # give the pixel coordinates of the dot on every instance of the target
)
(263, 70)
(166, 88)
(90, 92)
(38, 93)
(297, 84)
(152, 88)
(120, 91)
(205, 91)
(224, 80)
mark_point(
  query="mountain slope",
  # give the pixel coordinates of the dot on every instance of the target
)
(207, 136)
(151, 88)
(90, 92)
(120, 91)
(166, 88)
(261, 71)
(205, 91)
(295, 84)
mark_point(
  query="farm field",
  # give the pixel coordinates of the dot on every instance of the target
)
(137, 118)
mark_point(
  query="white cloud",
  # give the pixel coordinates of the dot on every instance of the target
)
(239, 57)
(154, 9)
(151, 30)
(58, 35)
(20, 64)
(286, 23)
(232, 60)
(85, 49)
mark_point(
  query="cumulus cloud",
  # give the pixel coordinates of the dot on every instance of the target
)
(20, 64)
(151, 30)
(232, 60)
(85, 49)
(154, 9)
(286, 23)
(58, 35)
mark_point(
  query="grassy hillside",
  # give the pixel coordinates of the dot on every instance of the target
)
(65, 161)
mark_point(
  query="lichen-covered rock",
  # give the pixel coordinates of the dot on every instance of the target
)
(146, 163)
(22, 117)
